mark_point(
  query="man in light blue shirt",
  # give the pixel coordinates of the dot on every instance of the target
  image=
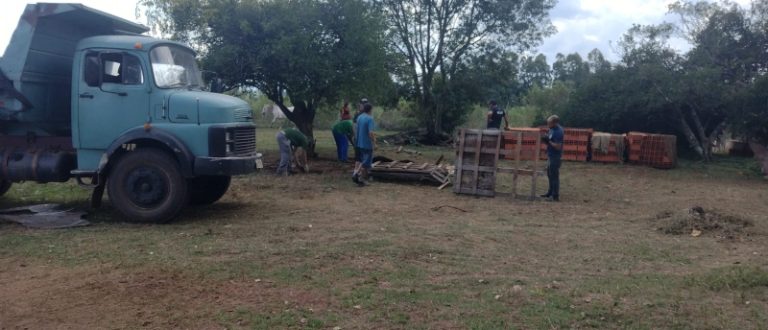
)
(365, 142)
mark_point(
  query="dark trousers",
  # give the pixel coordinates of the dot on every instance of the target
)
(342, 146)
(553, 174)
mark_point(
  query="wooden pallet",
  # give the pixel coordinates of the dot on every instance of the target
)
(409, 171)
(476, 161)
(516, 151)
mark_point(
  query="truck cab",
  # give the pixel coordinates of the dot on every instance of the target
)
(139, 122)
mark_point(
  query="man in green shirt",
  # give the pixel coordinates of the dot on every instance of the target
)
(342, 134)
(291, 141)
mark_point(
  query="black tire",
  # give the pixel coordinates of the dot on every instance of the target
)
(146, 185)
(207, 189)
(5, 186)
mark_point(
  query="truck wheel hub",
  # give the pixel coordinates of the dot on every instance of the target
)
(146, 187)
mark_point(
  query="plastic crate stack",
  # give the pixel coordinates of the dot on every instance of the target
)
(576, 144)
(655, 150)
(608, 148)
(528, 147)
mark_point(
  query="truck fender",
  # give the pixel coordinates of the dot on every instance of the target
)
(153, 137)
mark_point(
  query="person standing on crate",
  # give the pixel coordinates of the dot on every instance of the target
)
(495, 115)
(554, 141)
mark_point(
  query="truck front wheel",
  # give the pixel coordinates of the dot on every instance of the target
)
(207, 189)
(146, 185)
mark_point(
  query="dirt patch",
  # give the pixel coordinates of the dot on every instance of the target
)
(39, 297)
(697, 221)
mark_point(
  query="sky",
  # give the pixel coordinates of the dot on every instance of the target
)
(582, 25)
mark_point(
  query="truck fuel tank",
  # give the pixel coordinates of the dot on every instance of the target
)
(38, 165)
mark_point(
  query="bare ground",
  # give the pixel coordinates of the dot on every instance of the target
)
(314, 251)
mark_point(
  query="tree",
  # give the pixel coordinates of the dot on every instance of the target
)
(689, 94)
(435, 36)
(305, 51)
(535, 71)
(597, 62)
(570, 68)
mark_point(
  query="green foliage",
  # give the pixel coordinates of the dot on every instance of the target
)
(750, 115)
(535, 72)
(570, 68)
(400, 118)
(443, 41)
(313, 52)
(732, 278)
(655, 88)
(519, 116)
(550, 101)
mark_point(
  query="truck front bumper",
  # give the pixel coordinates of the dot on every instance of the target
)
(227, 166)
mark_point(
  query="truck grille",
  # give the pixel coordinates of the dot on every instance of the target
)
(244, 141)
(244, 115)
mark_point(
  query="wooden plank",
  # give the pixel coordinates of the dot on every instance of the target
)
(376, 164)
(392, 163)
(517, 162)
(444, 185)
(423, 166)
(496, 159)
(408, 165)
(479, 192)
(483, 169)
(477, 162)
(460, 161)
(517, 171)
(535, 168)
(486, 150)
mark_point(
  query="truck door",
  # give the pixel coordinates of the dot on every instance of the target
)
(113, 97)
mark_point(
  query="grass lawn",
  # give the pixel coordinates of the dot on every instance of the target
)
(315, 251)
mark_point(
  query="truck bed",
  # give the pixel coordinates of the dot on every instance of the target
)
(36, 68)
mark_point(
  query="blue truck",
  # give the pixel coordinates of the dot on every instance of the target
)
(86, 95)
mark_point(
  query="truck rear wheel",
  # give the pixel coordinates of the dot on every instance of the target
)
(207, 189)
(146, 185)
(5, 185)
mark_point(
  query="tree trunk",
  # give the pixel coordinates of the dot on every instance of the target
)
(700, 143)
(761, 154)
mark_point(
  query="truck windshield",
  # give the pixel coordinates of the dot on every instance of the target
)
(174, 67)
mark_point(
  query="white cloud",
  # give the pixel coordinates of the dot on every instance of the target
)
(584, 25)
(12, 10)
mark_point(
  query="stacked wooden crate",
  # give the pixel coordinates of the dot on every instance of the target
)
(608, 148)
(655, 150)
(576, 144)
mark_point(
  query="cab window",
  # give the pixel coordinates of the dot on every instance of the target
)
(112, 68)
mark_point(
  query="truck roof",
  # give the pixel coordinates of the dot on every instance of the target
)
(127, 42)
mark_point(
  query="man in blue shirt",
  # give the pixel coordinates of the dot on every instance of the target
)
(554, 142)
(365, 142)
